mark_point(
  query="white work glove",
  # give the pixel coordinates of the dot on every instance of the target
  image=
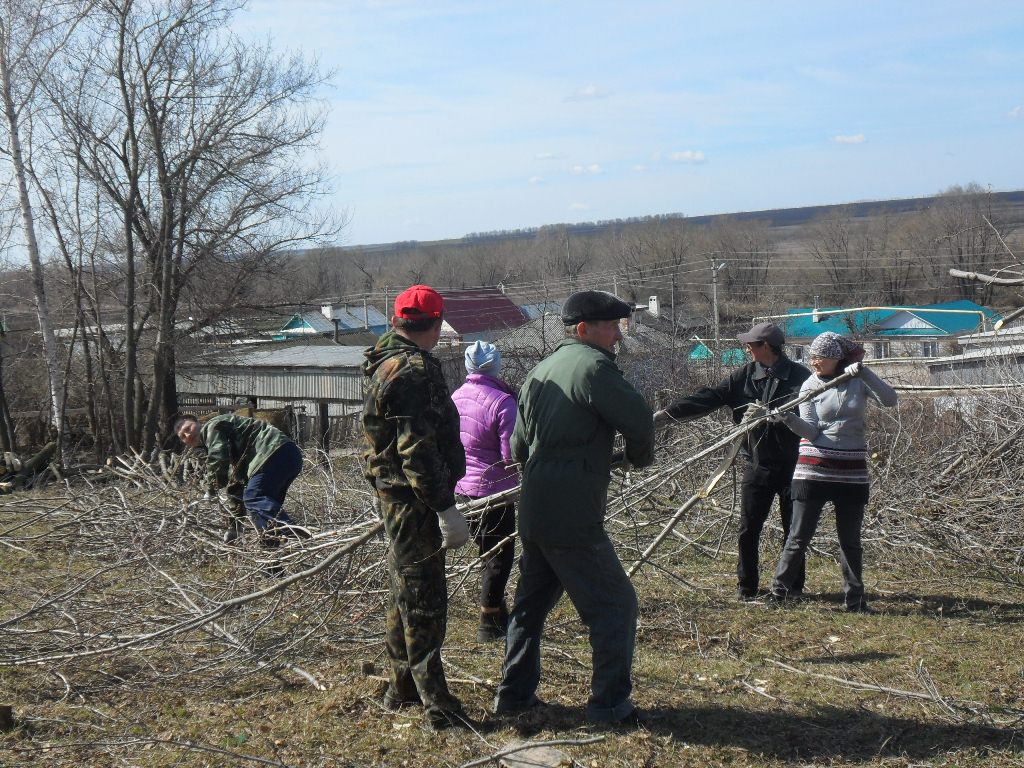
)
(208, 498)
(661, 417)
(454, 528)
(854, 369)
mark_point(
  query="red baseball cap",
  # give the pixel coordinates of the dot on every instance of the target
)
(419, 301)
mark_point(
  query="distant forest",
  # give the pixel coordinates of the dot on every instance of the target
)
(886, 252)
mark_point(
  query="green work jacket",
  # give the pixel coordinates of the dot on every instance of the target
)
(570, 407)
(237, 447)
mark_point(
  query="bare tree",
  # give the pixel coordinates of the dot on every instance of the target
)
(31, 35)
(200, 159)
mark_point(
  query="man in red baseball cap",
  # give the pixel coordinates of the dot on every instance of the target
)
(418, 301)
(413, 459)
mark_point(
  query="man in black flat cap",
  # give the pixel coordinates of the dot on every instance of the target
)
(768, 380)
(570, 407)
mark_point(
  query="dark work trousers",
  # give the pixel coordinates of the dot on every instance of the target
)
(606, 602)
(417, 617)
(759, 489)
(264, 493)
(488, 530)
(849, 503)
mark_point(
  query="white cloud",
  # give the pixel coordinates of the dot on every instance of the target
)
(579, 170)
(579, 206)
(639, 168)
(856, 138)
(548, 155)
(1017, 111)
(691, 156)
(588, 93)
(536, 179)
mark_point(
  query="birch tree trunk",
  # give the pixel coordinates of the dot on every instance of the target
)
(50, 355)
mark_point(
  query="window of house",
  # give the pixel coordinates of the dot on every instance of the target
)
(930, 348)
(881, 349)
(798, 353)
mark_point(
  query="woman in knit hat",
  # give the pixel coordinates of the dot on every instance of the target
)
(487, 409)
(832, 465)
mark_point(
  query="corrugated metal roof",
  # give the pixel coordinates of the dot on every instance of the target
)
(870, 322)
(476, 310)
(328, 356)
(351, 317)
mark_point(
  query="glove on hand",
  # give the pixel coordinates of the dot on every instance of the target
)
(782, 417)
(754, 410)
(454, 528)
(854, 369)
(208, 498)
(661, 417)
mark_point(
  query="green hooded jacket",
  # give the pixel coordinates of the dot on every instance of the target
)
(410, 424)
(237, 447)
(570, 407)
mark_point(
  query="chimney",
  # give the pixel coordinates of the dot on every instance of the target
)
(815, 314)
(327, 311)
(337, 327)
(653, 307)
(366, 316)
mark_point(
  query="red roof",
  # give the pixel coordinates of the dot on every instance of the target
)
(476, 310)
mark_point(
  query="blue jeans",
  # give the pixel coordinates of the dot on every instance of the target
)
(264, 493)
(606, 602)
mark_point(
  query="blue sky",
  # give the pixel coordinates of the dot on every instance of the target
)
(450, 117)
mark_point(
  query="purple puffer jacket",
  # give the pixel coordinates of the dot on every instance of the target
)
(487, 412)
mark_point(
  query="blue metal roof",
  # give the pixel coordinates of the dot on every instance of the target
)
(869, 322)
(730, 355)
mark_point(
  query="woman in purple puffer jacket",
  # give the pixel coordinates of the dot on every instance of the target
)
(487, 408)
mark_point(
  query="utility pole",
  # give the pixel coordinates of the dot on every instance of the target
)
(568, 261)
(714, 306)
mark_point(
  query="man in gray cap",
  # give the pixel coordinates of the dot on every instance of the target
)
(570, 407)
(768, 380)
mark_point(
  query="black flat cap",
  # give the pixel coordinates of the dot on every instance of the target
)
(594, 305)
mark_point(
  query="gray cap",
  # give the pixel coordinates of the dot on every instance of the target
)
(769, 332)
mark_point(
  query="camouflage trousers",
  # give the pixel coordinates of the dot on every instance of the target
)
(417, 616)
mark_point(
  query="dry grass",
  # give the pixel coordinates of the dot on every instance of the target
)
(935, 678)
(704, 669)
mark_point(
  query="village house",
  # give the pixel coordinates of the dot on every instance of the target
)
(474, 314)
(994, 358)
(335, 322)
(925, 331)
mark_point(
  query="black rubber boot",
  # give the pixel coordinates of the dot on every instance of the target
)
(493, 626)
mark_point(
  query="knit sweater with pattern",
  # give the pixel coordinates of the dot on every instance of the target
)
(831, 427)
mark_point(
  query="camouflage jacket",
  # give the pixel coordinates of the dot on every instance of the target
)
(410, 424)
(236, 449)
